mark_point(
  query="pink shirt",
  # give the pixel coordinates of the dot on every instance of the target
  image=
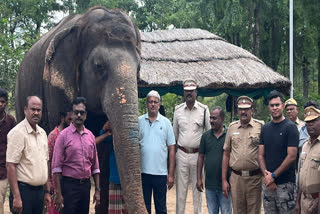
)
(75, 154)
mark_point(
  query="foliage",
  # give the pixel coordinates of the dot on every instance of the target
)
(260, 26)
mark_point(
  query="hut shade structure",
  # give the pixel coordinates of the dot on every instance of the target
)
(171, 56)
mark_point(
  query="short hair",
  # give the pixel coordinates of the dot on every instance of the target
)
(274, 94)
(63, 112)
(312, 103)
(79, 100)
(221, 111)
(4, 94)
(29, 97)
(153, 93)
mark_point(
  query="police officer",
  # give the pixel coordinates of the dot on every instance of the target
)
(241, 154)
(309, 182)
(190, 120)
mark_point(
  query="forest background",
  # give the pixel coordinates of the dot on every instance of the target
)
(259, 26)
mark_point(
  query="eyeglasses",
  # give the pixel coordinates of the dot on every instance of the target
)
(153, 101)
(76, 112)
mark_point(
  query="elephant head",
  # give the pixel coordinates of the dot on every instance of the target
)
(97, 55)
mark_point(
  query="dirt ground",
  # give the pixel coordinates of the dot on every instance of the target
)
(171, 203)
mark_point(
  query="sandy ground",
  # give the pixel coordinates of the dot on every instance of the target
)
(171, 203)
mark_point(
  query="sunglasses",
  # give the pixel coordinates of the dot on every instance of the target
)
(76, 112)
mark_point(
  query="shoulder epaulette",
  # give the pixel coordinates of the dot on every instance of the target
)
(202, 105)
(178, 106)
(259, 121)
(234, 123)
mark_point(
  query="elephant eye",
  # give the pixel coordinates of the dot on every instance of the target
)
(99, 67)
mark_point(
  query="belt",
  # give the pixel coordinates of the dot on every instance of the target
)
(75, 180)
(30, 186)
(247, 172)
(188, 150)
(311, 195)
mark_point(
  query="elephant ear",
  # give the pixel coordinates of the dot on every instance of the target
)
(60, 75)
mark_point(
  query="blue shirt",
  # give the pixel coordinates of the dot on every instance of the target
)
(154, 140)
(114, 175)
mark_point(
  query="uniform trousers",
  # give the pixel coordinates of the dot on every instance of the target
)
(186, 169)
(3, 192)
(246, 193)
(32, 198)
(76, 195)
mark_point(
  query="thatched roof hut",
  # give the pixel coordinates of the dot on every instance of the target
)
(171, 56)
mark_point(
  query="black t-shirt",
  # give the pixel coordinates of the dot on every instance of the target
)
(276, 138)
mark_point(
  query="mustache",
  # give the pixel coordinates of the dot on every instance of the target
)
(244, 114)
(211, 124)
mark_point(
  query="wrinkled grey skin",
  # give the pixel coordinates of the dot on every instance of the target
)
(95, 55)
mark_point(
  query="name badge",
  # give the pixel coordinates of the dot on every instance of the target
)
(235, 133)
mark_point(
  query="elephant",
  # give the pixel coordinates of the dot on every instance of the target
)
(95, 55)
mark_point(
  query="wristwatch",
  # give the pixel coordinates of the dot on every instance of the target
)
(273, 175)
(47, 191)
(98, 189)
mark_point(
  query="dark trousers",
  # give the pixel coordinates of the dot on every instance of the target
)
(76, 195)
(32, 198)
(157, 184)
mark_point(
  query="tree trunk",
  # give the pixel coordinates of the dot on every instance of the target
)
(305, 76)
(318, 64)
(256, 28)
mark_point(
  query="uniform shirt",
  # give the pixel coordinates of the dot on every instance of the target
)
(29, 150)
(154, 139)
(188, 126)
(212, 148)
(5, 126)
(299, 123)
(243, 145)
(309, 181)
(75, 154)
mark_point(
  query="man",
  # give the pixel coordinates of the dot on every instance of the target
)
(65, 120)
(292, 111)
(7, 122)
(74, 160)
(156, 139)
(211, 150)
(116, 200)
(27, 162)
(190, 121)
(241, 154)
(277, 154)
(309, 184)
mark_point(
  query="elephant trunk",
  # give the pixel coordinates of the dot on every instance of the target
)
(120, 103)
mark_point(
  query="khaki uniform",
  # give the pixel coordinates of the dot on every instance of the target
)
(188, 127)
(299, 123)
(309, 182)
(243, 145)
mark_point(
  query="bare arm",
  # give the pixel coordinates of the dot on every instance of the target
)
(102, 137)
(58, 201)
(225, 166)
(172, 164)
(13, 182)
(199, 172)
(96, 197)
(262, 161)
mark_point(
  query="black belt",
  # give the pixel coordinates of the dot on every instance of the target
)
(247, 172)
(75, 180)
(30, 186)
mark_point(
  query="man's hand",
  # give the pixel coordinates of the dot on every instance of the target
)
(58, 202)
(17, 204)
(200, 185)
(297, 209)
(96, 197)
(47, 201)
(268, 179)
(170, 182)
(225, 188)
(272, 186)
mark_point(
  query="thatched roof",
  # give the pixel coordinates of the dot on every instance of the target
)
(171, 56)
